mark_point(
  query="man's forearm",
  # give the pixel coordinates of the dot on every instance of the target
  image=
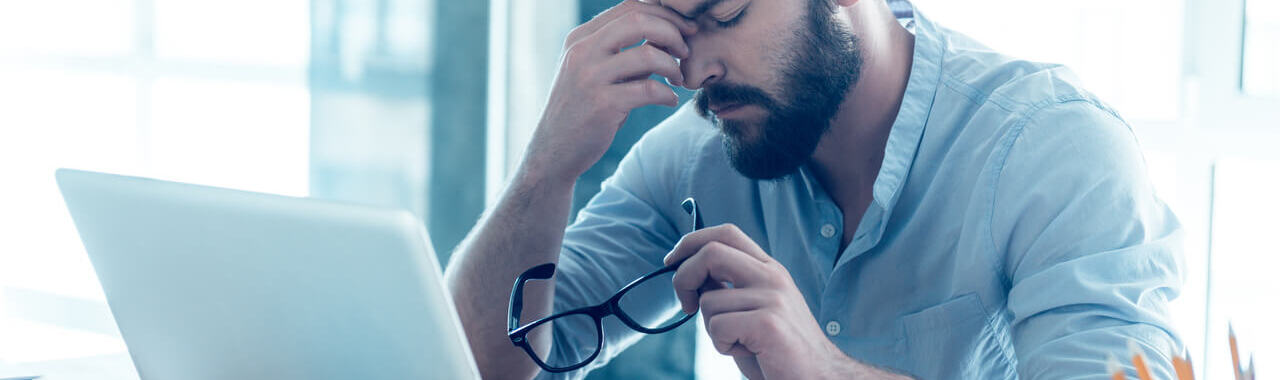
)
(524, 229)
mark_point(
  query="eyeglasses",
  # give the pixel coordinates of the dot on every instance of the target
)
(634, 305)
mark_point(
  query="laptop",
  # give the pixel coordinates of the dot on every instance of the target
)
(210, 283)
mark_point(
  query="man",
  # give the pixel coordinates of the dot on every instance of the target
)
(885, 199)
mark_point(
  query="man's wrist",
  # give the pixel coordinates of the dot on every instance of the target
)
(541, 172)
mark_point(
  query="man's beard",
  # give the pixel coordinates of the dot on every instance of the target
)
(823, 66)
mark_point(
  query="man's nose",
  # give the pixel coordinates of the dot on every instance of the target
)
(703, 66)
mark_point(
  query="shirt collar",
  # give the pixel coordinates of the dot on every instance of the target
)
(917, 101)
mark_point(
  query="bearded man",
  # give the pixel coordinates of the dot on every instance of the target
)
(885, 199)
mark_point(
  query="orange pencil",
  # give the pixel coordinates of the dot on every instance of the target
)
(1235, 354)
(1182, 367)
(1139, 362)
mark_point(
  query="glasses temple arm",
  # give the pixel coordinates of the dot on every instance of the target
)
(541, 272)
(691, 206)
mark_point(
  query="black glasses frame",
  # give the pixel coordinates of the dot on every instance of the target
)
(518, 334)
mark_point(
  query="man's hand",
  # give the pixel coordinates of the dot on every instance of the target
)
(599, 83)
(753, 310)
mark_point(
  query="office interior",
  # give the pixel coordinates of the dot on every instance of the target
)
(427, 105)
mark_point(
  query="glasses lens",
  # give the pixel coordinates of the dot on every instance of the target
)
(653, 303)
(580, 339)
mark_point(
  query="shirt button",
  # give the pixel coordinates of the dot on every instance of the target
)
(828, 230)
(833, 328)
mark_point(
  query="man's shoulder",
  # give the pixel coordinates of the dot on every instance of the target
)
(1018, 110)
(1018, 87)
(994, 98)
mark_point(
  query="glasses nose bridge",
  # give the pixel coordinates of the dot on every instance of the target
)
(599, 312)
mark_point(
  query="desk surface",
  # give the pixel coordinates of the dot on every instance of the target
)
(103, 367)
(58, 352)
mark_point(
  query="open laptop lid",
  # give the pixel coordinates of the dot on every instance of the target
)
(209, 283)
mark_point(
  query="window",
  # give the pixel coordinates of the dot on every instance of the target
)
(160, 88)
(1261, 52)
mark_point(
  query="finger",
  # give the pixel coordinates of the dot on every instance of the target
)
(720, 263)
(639, 26)
(728, 234)
(728, 300)
(676, 60)
(741, 328)
(642, 61)
(686, 26)
(644, 92)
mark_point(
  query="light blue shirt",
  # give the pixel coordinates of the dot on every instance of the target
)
(1013, 231)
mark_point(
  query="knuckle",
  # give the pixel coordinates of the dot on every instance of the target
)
(573, 54)
(771, 323)
(723, 229)
(733, 229)
(654, 89)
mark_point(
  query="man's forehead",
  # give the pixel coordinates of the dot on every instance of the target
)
(689, 8)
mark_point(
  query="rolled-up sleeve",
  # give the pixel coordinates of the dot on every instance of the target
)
(1093, 257)
(623, 233)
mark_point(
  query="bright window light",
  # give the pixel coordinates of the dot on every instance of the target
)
(1129, 53)
(223, 101)
(1244, 262)
(67, 27)
(273, 33)
(1261, 49)
(54, 119)
(248, 136)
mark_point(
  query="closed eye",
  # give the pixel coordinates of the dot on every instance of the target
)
(733, 21)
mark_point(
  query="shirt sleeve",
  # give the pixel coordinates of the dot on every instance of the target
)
(1093, 256)
(623, 233)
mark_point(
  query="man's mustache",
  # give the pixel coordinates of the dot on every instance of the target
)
(719, 95)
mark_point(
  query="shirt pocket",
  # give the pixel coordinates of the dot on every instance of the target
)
(957, 339)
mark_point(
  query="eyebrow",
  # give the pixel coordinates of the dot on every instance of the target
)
(703, 7)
